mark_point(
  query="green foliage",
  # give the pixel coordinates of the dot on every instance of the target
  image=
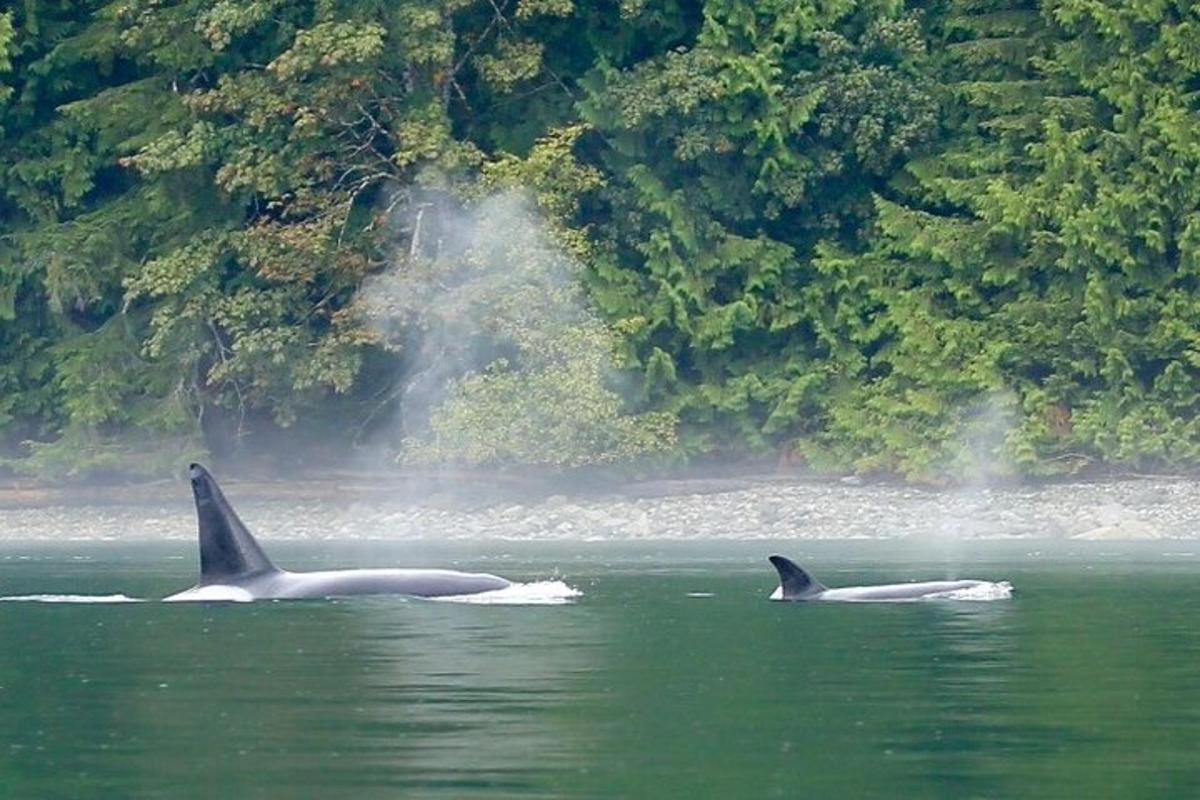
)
(955, 241)
(738, 156)
(1040, 251)
(80, 452)
(27, 392)
(553, 408)
(213, 200)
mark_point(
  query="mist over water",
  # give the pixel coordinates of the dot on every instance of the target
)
(486, 310)
(447, 267)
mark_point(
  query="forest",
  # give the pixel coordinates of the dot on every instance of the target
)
(939, 241)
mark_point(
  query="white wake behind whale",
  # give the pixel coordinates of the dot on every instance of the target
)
(537, 593)
(534, 593)
(70, 598)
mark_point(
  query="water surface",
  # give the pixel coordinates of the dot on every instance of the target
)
(672, 676)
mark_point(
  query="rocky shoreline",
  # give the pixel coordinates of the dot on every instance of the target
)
(725, 509)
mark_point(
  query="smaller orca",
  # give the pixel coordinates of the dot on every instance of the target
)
(234, 567)
(797, 585)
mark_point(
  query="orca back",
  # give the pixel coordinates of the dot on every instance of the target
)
(227, 549)
(794, 582)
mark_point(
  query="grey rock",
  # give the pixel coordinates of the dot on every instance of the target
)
(1126, 529)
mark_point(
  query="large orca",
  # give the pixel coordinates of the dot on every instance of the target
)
(234, 567)
(797, 585)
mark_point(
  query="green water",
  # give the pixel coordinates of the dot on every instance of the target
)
(1084, 684)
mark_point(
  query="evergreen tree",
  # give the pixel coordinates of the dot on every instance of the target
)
(731, 160)
(1027, 294)
(862, 235)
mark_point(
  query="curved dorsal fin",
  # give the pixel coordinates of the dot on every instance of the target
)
(227, 550)
(795, 582)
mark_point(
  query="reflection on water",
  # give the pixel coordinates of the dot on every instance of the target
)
(672, 676)
(327, 699)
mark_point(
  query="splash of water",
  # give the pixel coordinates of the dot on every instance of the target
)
(218, 593)
(983, 592)
(538, 593)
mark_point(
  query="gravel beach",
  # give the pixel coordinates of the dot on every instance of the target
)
(668, 510)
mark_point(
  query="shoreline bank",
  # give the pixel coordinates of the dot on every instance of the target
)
(745, 508)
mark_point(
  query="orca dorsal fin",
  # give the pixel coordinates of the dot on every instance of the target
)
(794, 581)
(227, 550)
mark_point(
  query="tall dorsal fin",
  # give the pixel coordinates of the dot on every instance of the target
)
(794, 581)
(227, 550)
